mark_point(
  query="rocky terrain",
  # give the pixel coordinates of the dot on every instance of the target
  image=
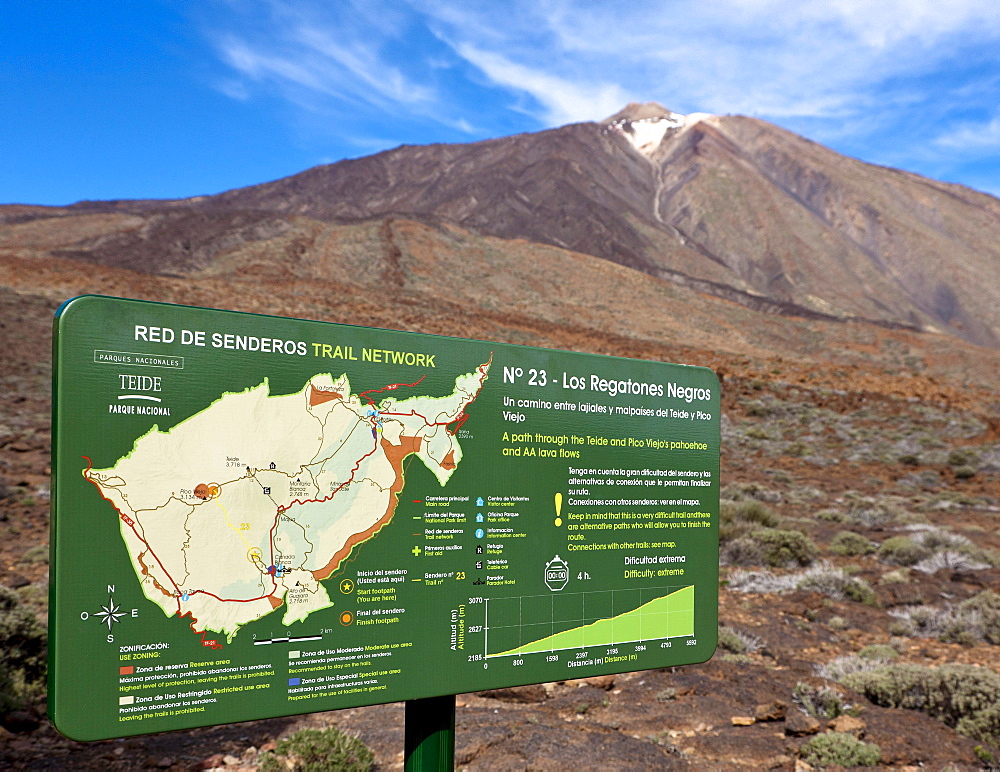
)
(859, 600)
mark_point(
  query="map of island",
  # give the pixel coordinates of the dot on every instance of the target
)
(249, 504)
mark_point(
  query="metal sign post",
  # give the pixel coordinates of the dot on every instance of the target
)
(430, 734)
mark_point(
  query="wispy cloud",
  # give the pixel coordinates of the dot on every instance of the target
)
(771, 57)
(972, 137)
(876, 79)
(563, 101)
(316, 58)
(872, 77)
(322, 66)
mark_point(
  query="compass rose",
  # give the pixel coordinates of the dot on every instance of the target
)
(110, 613)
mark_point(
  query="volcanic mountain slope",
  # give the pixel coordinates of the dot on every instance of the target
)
(406, 274)
(728, 205)
(711, 233)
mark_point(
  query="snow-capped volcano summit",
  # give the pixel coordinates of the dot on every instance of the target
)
(645, 125)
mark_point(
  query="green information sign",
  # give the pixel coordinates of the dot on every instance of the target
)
(255, 516)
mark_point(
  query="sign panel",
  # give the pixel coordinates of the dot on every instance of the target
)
(255, 516)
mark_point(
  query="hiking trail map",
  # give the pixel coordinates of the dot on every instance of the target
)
(255, 516)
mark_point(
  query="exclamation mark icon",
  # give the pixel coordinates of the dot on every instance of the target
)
(558, 509)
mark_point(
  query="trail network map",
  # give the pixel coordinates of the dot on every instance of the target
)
(224, 538)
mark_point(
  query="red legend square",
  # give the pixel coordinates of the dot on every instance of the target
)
(126, 670)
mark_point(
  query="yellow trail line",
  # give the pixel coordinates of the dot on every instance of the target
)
(239, 533)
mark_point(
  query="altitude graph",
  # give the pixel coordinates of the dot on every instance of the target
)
(529, 624)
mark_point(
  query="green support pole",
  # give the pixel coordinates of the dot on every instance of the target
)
(430, 734)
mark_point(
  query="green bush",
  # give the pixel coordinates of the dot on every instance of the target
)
(781, 548)
(37, 554)
(850, 543)
(742, 551)
(797, 449)
(902, 551)
(985, 605)
(841, 667)
(937, 548)
(747, 491)
(973, 620)
(873, 512)
(879, 651)
(737, 519)
(939, 539)
(898, 576)
(23, 654)
(860, 591)
(962, 696)
(962, 457)
(841, 749)
(319, 750)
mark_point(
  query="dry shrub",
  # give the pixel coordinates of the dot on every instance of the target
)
(973, 620)
(840, 749)
(962, 696)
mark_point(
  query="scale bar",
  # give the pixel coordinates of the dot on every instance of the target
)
(293, 639)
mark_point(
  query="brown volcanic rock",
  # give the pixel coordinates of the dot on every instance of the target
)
(173, 242)
(574, 187)
(799, 724)
(863, 240)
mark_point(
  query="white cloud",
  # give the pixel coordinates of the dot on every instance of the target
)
(771, 57)
(234, 89)
(563, 100)
(307, 56)
(364, 66)
(881, 80)
(972, 137)
(315, 60)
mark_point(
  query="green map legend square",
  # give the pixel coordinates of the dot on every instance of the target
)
(255, 516)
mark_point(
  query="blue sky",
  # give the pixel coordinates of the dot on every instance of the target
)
(106, 100)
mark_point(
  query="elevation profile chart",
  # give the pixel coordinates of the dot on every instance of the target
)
(533, 624)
